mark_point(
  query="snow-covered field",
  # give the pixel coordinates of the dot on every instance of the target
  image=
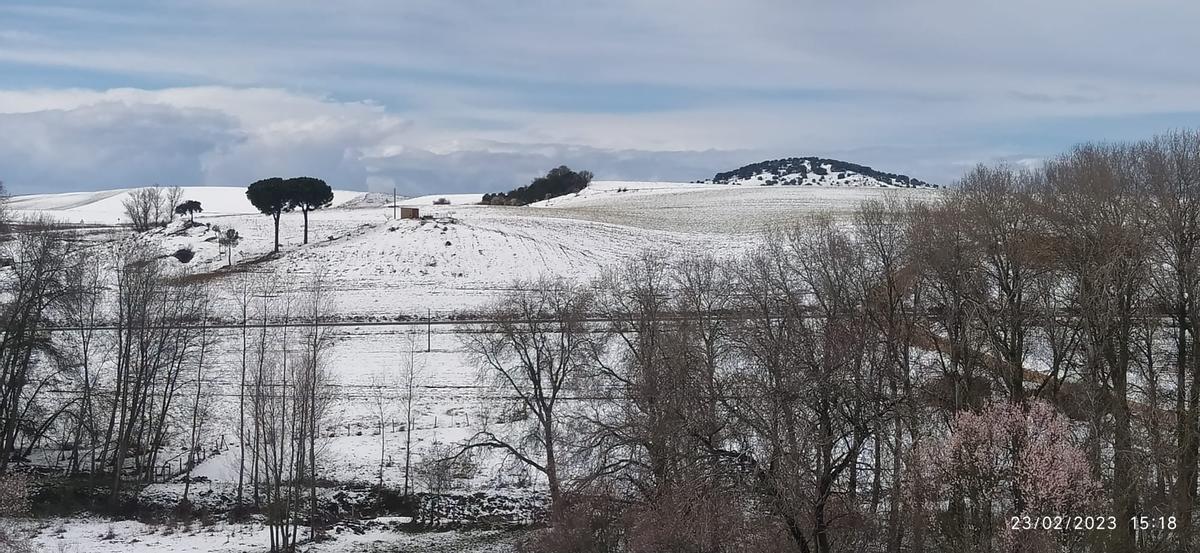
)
(383, 267)
(380, 268)
(95, 535)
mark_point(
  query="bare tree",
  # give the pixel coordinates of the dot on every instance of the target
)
(657, 367)
(84, 309)
(4, 212)
(280, 445)
(997, 203)
(534, 350)
(157, 331)
(380, 406)
(1094, 206)
(289, 398)
(243, 296)
(41, 260)
(804, 401)
(411, 371)
(657, 386)
(144, 207)
(171, 198)
(201, 400)
(1172, 166)
(317, 339)
(436, 470)
(891, 290)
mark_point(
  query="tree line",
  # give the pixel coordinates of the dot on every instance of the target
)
(939, 376)
(559, 181)
(133, 381)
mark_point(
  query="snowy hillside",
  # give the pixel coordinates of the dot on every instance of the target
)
(382, 268)
(706, 209)
(815, 171)
(385, 274)
(105, 206)
(386, 268)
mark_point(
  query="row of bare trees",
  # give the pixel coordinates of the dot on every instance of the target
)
(152, 206)
(112, 397)
(285, 393)
(1024, 346)
(107, 362)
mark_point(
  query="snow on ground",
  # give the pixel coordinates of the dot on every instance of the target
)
(105, 206)
(384, 269)
(700, 209)
(97, 535)
(454, 199)
(380, 268)
(366, 367)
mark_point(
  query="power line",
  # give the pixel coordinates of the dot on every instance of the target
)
(226, 325)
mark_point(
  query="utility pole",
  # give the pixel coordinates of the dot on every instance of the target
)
(428, 329)
(393, 202)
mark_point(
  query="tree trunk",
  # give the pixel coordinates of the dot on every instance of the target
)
(552, 471)
(276, 233)
(242, 412)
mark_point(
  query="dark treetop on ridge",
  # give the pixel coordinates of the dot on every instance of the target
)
(803, 166)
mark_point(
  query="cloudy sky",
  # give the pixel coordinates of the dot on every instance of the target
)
(475, 95)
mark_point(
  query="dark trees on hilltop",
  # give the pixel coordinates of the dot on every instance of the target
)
(270, 196)
(189, 208)
(558, 182)
(276, 196)
(817, 166)
(307, 194)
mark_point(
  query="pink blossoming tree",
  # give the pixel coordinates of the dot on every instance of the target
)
(1005, 460)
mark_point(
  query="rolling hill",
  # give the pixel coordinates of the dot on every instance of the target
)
(816, 171)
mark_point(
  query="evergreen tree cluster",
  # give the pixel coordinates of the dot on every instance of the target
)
(276, 195)
(189, 208)
(558, 182)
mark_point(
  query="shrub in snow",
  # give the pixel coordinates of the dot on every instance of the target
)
(14, 495)
(14, 501)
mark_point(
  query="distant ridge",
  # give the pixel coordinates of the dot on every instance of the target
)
(816, 171)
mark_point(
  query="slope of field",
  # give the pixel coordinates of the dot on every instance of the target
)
(712, 208)
(382, 269)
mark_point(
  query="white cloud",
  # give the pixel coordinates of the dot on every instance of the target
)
(469, 94)
(74, 139)
(109, 144)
